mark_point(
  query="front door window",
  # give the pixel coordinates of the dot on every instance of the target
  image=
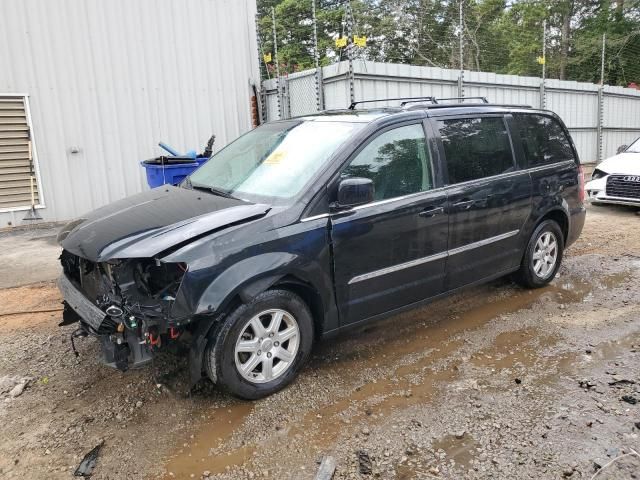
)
(397, 161)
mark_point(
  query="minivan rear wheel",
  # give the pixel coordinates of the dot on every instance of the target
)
(542, 256)
(260, 347)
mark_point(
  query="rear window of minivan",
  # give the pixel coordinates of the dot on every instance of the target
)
(543, 140)
(476, 148)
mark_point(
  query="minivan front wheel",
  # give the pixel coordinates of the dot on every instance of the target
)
(543, 255)
(260, 347)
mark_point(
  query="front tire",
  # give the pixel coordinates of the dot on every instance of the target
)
(260, 347)
(542, 256)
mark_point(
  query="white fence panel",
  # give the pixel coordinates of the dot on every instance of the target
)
(621, 118)
(503, 89)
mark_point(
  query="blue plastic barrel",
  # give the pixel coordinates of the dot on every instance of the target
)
(163, 173)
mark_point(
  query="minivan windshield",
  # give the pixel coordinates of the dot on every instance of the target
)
(634, 147)
(274, 161)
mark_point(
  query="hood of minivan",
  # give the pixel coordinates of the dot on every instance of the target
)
(151, 222)
(626, 163)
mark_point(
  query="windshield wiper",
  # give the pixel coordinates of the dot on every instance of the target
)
(220, 192)
(206, 188)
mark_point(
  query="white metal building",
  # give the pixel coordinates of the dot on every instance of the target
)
(96, 84)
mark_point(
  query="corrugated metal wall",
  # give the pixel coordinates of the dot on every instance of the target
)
(575, 102)
(109, 79)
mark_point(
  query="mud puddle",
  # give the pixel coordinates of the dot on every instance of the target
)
(406, 358)
(460, 448)
(457, 449)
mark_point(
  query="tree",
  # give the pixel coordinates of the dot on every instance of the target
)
(502, 36)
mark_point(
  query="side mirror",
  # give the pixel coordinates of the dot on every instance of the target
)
(622, 148)
(354, 191)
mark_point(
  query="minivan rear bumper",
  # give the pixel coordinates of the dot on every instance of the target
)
(576, 224)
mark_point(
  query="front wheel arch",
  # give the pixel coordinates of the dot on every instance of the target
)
(219, 358)
(206, 324)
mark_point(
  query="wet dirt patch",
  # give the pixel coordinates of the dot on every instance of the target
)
(458, 447)
(406, 368)
(512, 349)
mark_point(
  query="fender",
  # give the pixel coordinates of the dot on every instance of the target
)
(246, 279)
(261, 271)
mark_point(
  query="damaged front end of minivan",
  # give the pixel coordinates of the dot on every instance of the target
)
(131, 308)
(125, 281)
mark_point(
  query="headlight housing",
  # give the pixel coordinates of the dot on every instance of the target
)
(597, 173)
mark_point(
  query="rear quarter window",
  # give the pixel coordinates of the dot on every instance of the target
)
(543, 140)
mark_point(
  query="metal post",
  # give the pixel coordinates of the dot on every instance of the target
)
(461, 34)
(604, 41)
(600, 122)
(275, 59)
(544, 49)
(352, 97)
(601, 101)
(316, 58)
(543, 92)
(260, 99)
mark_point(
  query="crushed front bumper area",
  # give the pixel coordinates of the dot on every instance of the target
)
(121, 350)
(75, 300)
(122, 305)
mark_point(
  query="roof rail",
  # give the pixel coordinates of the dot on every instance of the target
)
(463, 105)
(462, 99)
(430, 99)
(435, 102)
(404, 99)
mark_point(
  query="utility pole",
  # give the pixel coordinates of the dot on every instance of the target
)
(544, 50)
(543, 92)
(604, 41)
(260, 91)
(316, 57)
(352, 97)
(275, 58)
(461, 35)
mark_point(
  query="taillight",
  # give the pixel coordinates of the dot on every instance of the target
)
(581, 184)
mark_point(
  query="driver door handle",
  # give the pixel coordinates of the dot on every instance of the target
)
(431, 212)
(464, 204)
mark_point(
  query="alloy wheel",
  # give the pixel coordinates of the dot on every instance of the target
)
(545, 255)
(267, 346)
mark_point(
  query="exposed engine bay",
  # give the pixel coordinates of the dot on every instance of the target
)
(134, 298)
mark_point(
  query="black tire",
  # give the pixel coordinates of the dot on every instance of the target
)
(526, 275)
(220, 354)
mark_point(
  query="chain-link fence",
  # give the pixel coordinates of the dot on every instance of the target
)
(292, 95)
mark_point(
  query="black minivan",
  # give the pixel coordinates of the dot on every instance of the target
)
(303, 228)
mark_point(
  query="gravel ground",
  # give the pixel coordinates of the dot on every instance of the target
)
(495, 382)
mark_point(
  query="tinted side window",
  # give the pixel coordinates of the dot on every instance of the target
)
(476, 148)
(397, 161)
(543, 140)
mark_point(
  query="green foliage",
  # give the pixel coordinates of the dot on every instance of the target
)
(502, 36)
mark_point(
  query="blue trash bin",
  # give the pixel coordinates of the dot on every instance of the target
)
(170, 170)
